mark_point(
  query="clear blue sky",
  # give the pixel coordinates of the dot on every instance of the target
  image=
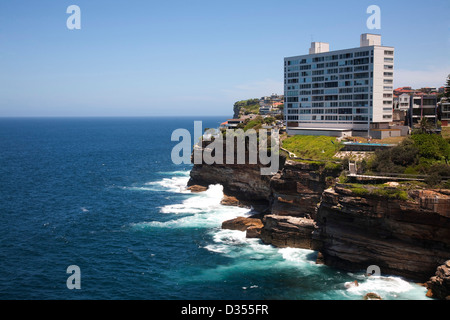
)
(149, 58)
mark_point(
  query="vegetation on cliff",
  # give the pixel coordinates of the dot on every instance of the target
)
(313, 147)
(245, 107)
(421, 154)
(399, 191)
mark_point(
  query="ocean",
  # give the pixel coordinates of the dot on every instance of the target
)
(103, 194)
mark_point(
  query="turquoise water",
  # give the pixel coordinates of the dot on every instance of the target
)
(104, 195)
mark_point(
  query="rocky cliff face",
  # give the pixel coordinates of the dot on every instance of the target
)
(406, 238)
(243, 182)
(410, 238)
(439, 284)
(296, 193)
(297, 188)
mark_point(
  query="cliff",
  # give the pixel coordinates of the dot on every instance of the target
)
(409, 238)
(243, 182)
(439, 284)
(297, 188)
(303, 208)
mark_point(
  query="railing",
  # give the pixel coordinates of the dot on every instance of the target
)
(394, 176)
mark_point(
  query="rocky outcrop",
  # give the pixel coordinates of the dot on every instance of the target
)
(242, 223)
(287, 231)
(439, 285)
(298, 187)
(230, 201)
(197, 188)
(372, 296)
(243, 182)
(406, 238)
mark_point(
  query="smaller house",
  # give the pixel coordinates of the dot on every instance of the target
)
(444, 106)
(233, 123)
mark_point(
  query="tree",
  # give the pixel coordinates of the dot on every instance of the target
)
(269, 120)
(447, 88)
(425, 126)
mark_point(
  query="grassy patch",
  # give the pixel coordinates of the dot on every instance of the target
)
(446, 133)
(312, 147)
(383, 191)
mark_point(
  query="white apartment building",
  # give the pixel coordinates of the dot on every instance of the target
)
(404, 102)
(340, 92)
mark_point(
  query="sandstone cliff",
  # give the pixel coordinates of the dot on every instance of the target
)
(407, 238)
(439, 285)
(410, 238)
(243, 182)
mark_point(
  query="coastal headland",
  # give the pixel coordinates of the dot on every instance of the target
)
(405, 231)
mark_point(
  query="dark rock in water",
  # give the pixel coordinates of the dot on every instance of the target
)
(197, 188)
(319, 259)
(439, 285)
(242, 224)
(372, 296)
(254, 232)
(230, 201)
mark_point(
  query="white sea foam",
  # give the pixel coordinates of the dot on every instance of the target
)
(297, 255)
(388, 287)
(201, 210)
(234, 244)
(176, 173)
(174, 184)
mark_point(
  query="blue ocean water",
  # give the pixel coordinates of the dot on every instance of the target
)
(103, 194)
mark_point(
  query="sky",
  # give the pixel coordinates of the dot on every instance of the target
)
(181, 58)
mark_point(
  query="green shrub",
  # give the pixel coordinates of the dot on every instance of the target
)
(343, 177)
(431, 146)
(415, 155)
(446, 185)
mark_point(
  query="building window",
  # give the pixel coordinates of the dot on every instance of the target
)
(331, 84)
(362, 54)
(361, 75)
(361, 89)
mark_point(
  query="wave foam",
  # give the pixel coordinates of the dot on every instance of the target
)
(203, 210)
(174, 184)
